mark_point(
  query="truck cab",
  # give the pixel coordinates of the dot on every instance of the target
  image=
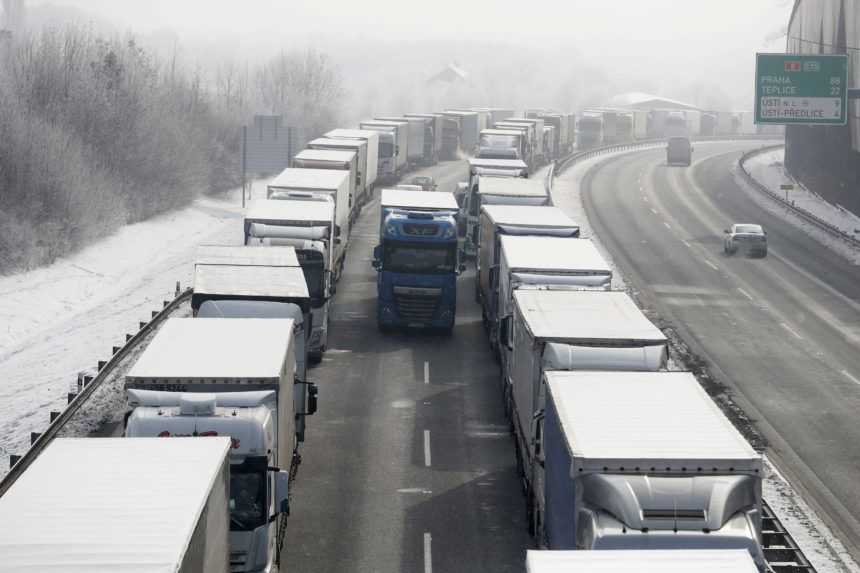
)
(417, 260)
(679, 151)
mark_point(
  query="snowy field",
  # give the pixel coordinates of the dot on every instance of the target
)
(826, 553)
(58, 320)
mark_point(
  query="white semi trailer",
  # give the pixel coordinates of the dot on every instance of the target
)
(641, 561)
(393, 161)
(643, 460)
(339, 160)
(120, 505)
(231, 377)
(372, 138)
(358, 146)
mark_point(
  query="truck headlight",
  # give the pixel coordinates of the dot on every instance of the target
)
(448, 233)
(391, 230)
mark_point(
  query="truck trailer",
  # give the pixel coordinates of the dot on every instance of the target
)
(417, 260)
(370, 174)
(306, 224)
(417, 145)
(295, 183)
(500, 220)
(339, 160)
(359, 147)
(530, 153)
(679, 151)
(394, 162)
(542, 263)
(468, 129)
(506, 144)
(493, 190)
(641, 561)
(643, 460)
(230, 377)
(432, 134)
(589, 130)
(119, 505)
(536, 130)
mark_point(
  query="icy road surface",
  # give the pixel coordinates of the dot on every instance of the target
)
(58, 320)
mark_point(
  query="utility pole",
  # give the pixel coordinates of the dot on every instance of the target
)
(244, 160)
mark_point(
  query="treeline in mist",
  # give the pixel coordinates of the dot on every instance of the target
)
(96, 133)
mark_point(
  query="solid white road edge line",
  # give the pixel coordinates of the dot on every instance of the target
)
(427, 448)
(428, 553)
(851, 377)
(712, 265)
(426, 372)
(667, 225)
(791, 330)
(745, 293)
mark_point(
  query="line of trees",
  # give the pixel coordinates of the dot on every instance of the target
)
(96, 133)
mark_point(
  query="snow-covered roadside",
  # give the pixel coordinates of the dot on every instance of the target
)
(63, 318)
(768, 169)
(823, 549)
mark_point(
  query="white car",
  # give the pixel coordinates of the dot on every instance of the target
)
(747, 237)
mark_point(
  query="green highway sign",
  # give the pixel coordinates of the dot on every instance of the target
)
(801, 89)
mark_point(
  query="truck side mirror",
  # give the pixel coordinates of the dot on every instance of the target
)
(726, 231)
(505, 333)
(461, 268)
(313, 398)
(282, 492)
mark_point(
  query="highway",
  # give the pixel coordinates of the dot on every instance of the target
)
(782, 333)
(409, 464)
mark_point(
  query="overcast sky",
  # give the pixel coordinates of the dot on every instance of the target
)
(695, 40)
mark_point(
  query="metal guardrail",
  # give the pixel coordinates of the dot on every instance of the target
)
(805, 215)
(40, 441)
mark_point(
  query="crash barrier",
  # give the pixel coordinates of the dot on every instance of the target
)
(87, 387)
(805, 215)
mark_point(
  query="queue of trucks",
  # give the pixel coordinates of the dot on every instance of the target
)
(614, 450)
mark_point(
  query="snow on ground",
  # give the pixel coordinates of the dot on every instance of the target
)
(58, 320)
(767, 168)
(823, 549)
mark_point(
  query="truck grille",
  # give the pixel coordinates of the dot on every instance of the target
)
(416, 304)
(238, 560)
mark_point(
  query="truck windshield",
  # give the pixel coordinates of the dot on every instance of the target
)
(386, 149)
(502, 141)
(248, 494)
(422, 259)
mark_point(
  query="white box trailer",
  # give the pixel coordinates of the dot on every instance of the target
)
(399, 158)
(499, 220)
(492, 190)
(469, 129)
(543, 263)
(417, 146)
(433, 127)
(568, 330)
(339, 160)
(358, 146)
(115, 504)
(320, 183)
(247, 364)
(641, 561)
(643, 460)
(537, 125)
(372, 139)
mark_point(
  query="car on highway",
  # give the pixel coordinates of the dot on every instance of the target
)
(746, 237)
(425, 182)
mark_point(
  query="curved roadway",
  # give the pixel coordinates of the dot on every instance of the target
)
(782, 332)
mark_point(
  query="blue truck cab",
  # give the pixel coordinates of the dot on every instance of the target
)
(417, 260)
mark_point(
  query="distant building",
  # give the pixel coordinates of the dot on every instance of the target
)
(640, 100)
(452, 74)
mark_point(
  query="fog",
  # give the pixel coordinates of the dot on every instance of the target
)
(539, 53)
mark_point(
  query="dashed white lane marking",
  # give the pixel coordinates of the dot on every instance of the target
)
(791, 330)
(851, 377)
(645, 198)
(712, 265)
(667, 225)
(427, 459)
(653, 210)
(689, 246)
(428, 553)
(745, 293)
(426, 372)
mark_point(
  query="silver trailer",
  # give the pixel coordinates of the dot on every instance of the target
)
(293, 182)
(373, 153)
(642, 460)
(120, 505)
(396, 163)
(641, 561)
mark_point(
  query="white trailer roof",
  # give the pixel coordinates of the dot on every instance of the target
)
(326, 155)
(528, 216)
(641, 561)
(241, 255)
(493, 131)
(120, 504)
(660, 420)
(511, 186)
(497, 163)
(250, 281)
(384, 123)
(339, 143)
(523, 252)
(586, 317)
(423, 200)
(290, 210)
(216, 348)
(309, 179)
(352, 134)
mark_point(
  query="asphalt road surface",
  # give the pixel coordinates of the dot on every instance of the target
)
(782, 332)
(409, 464)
